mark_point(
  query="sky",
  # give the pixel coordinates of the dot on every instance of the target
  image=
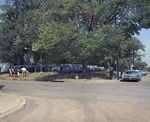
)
(2, 2)
(144, 37)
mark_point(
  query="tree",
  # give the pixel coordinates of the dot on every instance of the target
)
(135, 45)
(83, 17)
(77, 31)
(72, 31)
(139, 63)
(148, 68)
(18, 30)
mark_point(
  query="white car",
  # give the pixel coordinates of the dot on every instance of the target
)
(144, 72)
(132, 75)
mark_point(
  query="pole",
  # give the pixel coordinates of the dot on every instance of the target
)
(117, 60)
(41, 61)
(105, 69)
(117, 67)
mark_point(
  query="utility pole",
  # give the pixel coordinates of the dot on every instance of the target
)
(117, 59)
(117, 67)
(41, 60)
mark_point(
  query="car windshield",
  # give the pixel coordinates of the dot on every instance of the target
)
(131, 72)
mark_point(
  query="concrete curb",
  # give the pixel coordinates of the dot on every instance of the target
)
(85, 81)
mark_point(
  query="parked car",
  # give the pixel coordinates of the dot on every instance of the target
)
(50, 66)
(144, 72)
(55, 69)
(132, 75)
(71, 68)
(77, 68)
(140, 73)
(92, 68)
(67, 68)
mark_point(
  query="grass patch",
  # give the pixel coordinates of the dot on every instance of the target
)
(51, 76)
(46, 76)
(71, 76)
(4, 75)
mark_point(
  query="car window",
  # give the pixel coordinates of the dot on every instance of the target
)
(131, 72)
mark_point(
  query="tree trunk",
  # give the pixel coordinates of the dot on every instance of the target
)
(84, 66)
(22, 57)
(133, 57)
(41, 61)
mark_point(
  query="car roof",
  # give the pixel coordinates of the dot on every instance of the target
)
(132, 70)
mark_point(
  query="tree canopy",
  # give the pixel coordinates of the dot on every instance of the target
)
(17, 29)
(77, 31)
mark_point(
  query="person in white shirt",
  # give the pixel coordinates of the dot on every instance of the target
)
(23, 72)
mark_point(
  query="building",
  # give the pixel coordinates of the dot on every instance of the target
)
(5, 66)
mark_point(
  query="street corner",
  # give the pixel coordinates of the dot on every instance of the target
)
(10, 103)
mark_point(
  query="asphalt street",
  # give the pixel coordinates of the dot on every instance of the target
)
(84, 102)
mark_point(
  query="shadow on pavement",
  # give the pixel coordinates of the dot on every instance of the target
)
(1, 86)
(128, 81)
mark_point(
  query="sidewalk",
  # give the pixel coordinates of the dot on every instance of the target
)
(9, 103)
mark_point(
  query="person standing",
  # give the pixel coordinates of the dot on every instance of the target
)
(121, 72)
(111, 72)
(54, 64)
(16, 72)
(61, 67)
(10, 72)
(23, 71)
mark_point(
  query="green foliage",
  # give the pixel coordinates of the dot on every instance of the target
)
(18, 31)
(125, 63)
(73, 30)
(148, 68)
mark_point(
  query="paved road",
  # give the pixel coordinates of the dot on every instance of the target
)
(72, 102)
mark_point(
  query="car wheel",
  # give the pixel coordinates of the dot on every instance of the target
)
(55, 70)
(137, 80)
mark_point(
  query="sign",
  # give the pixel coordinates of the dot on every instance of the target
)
(34, 48)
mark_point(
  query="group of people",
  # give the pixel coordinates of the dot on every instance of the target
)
(111, 69)
(15, 71)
